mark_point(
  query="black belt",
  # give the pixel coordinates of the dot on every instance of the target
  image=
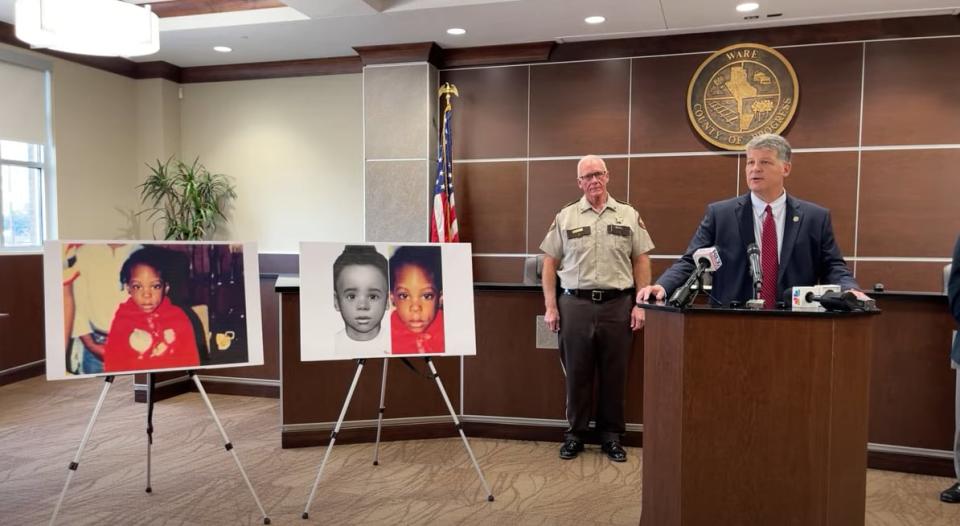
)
(598, 295)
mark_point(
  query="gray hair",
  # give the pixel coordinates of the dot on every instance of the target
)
(770, 141)
(590, 157)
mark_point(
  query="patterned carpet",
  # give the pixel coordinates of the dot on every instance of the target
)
(417, 482)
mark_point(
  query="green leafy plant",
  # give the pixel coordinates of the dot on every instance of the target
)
(188, 199)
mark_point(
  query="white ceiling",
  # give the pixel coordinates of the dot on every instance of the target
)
(331, 28)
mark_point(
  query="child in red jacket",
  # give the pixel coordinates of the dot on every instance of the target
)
(148, 331)
(416, 291)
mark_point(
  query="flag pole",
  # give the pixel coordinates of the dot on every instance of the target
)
(445, 91)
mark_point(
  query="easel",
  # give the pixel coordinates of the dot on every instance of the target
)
(108, 381)
(382, 408)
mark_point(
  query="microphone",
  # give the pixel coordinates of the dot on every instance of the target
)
(829, 297)
(707, 260)
(708, 257)
(753, 256)
(831, 300)
(753, 253)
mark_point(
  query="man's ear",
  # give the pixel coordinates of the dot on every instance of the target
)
(336, 302)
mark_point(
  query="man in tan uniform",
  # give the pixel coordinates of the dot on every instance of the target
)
(598, 246)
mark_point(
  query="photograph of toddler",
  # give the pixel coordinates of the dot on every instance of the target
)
(148, 330)
(416, 293)
(360, 294)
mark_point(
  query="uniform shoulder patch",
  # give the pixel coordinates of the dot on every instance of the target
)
(640, 222)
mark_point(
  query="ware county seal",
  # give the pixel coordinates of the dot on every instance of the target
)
(740, 92)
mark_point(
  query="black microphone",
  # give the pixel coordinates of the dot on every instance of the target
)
(833, 301)
(753, 253)
(708, 259)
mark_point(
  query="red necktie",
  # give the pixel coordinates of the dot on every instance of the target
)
(769, 263)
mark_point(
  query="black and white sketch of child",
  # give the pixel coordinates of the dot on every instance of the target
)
(360, 296)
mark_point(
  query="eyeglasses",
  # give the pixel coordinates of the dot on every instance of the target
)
(592, 175)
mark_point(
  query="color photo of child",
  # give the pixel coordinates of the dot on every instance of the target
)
(148, 331)
(416, 292)
(115, 307)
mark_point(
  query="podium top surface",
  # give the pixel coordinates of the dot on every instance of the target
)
(714, 309)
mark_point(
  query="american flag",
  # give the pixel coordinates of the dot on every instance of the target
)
(443, 223)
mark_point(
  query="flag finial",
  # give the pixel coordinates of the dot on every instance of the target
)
(448, 89)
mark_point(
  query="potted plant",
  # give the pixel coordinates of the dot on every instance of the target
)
(187, 197)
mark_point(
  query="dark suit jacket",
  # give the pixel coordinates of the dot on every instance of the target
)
(953, 295)
(809, 253)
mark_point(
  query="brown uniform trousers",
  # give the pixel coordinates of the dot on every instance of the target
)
(595, 337)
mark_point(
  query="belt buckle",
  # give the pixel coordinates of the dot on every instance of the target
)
(596, 296)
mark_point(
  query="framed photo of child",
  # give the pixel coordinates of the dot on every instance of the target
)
(377, 300)
(123, 307)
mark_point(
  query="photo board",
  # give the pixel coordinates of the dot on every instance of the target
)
(123, 307)
(376, 300)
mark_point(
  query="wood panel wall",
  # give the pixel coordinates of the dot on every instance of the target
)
(21, 317)
(511, 389)
(876, 134)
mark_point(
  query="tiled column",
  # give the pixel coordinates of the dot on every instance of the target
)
(399, 117)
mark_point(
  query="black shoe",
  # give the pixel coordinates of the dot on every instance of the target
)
(570, 448)
(951, 494)
(615, 451)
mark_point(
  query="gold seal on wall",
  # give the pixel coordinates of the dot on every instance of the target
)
(740, 92)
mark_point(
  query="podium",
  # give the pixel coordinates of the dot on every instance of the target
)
(755, 417)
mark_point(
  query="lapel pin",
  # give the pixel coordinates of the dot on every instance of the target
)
(796, 219)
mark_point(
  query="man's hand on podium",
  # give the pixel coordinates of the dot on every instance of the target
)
(651, 293)
(859, 294)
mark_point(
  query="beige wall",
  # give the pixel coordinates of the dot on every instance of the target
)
(95, 135)
(158, 136)
(294, 149)
(293, 146)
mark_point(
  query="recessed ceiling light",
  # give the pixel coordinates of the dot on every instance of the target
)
(222, 49)
(746, 7)
(456, 31)
(595, 20)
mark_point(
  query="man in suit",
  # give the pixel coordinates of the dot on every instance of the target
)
(795, 237)
(952, 494)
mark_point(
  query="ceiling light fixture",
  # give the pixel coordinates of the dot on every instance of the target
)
(746, 7)
(595, 19)
(222, 49)
(456, 31)
(109, 28)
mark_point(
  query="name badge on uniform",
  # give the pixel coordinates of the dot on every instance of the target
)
(619, 230)
(578, 232)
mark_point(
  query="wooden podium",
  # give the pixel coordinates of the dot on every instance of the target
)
(755, 417)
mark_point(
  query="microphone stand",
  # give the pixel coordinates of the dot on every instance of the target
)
(756, 303)
(685, 295)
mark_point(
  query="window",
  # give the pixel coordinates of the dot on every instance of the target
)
(21, 194)
(27, 183)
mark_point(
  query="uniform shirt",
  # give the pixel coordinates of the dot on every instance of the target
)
(596, 250)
